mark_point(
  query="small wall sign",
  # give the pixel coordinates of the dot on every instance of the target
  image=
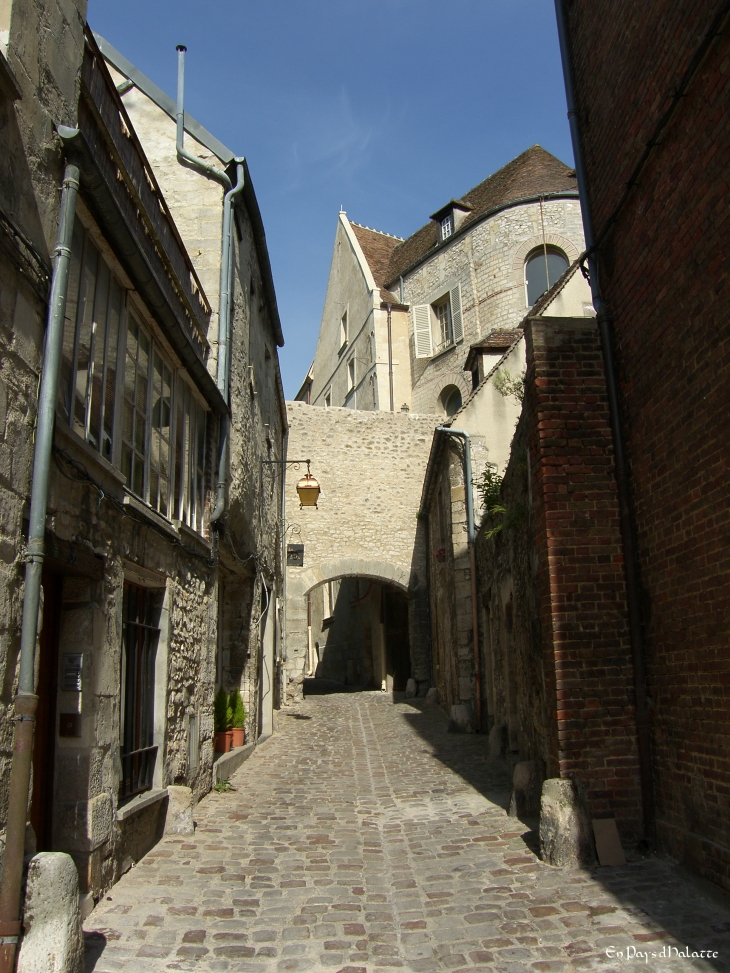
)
(295, 555)
(71, 672)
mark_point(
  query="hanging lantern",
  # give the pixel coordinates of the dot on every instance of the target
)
(308, 490)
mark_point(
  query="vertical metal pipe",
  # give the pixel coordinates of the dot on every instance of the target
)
(390, 362)
(471, 540)
(603, 320)
(26, 701)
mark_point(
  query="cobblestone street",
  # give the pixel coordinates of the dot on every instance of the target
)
(362, 837)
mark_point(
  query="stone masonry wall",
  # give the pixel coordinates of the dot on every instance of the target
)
(370, 466)
(665, 273)
(488, 262)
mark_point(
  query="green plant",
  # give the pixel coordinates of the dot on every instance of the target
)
(238, 710)
(506, 385)
(489, 488)
(222, 714)
(224, 786)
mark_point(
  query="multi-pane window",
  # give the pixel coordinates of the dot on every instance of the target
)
(140, 634)
(120, 394)
(439, 325)
(447, 227)
(90, 345)
(443, 314)
(189, 458)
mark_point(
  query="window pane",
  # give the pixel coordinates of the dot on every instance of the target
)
(179, 454)
(69, 324)
(101, 304)
(83, 336)
(541, 274)
(110, 377)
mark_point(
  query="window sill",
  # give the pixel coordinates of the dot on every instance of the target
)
(343, 346)
(190, 534)
(64, 431)
(130, 500)
(443, 351)
(136, 804)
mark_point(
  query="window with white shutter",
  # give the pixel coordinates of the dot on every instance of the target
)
(457, 323)
(421, 316)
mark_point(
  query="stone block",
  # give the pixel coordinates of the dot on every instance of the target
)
(179, 818)
(565, 828)
(498, 740)
(52, 940)
(411, 688)
(432, 696)
(527, 781)
(462, 719)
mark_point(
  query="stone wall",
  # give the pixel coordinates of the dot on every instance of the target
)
(370, 466)
(666, 278)
(488, 262)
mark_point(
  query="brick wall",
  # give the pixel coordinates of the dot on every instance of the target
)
(664, 273)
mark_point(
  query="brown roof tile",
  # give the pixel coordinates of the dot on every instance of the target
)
(533, 172)
(377, 248)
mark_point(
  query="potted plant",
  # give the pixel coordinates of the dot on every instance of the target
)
(238, 712)
(222, 717)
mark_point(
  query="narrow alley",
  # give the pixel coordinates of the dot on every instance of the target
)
(363, 836)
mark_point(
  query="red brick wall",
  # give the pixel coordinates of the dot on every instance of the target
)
(665, 277)
(581, 587)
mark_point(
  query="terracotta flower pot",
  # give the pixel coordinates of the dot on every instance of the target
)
(221, 741)
(239, 736)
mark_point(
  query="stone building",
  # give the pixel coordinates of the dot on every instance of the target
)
(158, 584)
(416, 325)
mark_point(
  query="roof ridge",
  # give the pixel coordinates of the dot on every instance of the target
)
(381, 232)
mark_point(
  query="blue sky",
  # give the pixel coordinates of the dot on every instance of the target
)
(388, 108)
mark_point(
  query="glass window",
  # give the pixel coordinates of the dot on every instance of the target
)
(443, 315)
(189, 458)
(451, 399)
(140, 634)
(543, 268)
(447, 227)
(136, 387)
(89, 354)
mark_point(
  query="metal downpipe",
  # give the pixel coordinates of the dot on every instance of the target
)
(471, 540)
(26, 701)
(224, 340)
(603, 320)
(184, 157)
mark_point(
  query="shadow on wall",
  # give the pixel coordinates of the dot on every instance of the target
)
(676, 904)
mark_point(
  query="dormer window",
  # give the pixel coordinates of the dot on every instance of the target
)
(450, 218)
(447, 226)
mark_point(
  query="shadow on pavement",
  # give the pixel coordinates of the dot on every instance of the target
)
(324, 687)
(94, 944)
(679, 910)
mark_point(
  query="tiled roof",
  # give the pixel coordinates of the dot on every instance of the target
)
(532, 173)
(495, 341)
(377, 248)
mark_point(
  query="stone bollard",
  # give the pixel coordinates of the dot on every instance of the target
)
(498, 740)
(411, 689)
(462, 719)
(179, 817)
(432, 696)
(52, 940)
(526, 786)
(565, 828)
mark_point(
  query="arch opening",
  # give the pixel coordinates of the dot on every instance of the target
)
(357, 636)
(544, 266)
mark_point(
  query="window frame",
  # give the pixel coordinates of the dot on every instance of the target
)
(535, 254)
(426, 323)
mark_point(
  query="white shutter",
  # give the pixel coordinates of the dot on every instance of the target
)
(456, 320)
(421, 317)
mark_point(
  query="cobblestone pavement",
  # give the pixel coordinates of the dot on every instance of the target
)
(364, 837)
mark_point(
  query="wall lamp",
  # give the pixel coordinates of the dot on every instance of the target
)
(307, 487)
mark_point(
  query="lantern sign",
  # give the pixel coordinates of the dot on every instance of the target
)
(308, 490)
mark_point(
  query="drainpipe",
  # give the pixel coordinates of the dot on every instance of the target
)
(603, 319)
(224, 340)
(390, 361)
(184, 157)
(191, 161)
(471, 539)
(26, 701)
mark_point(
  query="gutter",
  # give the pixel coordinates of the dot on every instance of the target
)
(467, 227)
(605, 328)
(26, 702)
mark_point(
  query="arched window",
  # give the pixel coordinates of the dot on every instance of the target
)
(543, 267)
(451, 400)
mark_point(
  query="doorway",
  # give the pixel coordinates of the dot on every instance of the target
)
(397, 642)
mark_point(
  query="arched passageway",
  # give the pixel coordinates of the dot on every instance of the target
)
(357, 635)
